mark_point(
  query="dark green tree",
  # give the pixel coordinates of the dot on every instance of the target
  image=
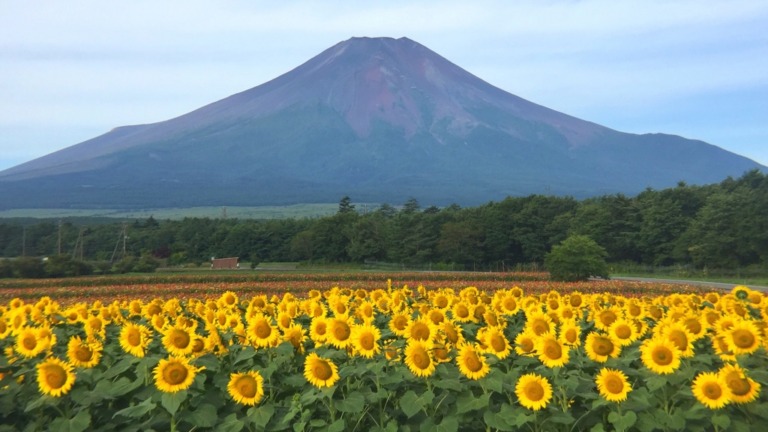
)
(577, 258)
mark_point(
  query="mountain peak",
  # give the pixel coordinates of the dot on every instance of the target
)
(378, 119)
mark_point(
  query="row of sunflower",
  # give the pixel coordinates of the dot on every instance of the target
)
(388, 359)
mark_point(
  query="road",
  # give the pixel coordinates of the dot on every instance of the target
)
(719, 285)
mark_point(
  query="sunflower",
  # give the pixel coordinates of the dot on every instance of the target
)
(463, 312)
(525, 342)
(570, 334)
(55, 377)
(440, 300)
(318, 330)
(599, 347)
(612, 385)
(678, 334)
(28, 342)
(623, 331)
(539, 323)
(471, 362)
(721, 348)
(261, 332)
(421, 329)
(284, 320)
(496, 343)
(603, 318)
(418, 358)
(711, 390)
(365, 340)
(178, 340)
(84, 354)
(174, 374)
(399, 323)
(296, 335)
(5, 329)
(339, 331)
(452, 332)
(551, 352)
(743, 389)
(246, 388)
(533, 391)
(743, 337)
(320, 372)
(228, 300)
(660, 355)
(508, 305)
(134, 339)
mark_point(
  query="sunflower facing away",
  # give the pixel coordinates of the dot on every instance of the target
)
(471, 362)
(533, 391)
(55, 377)
(174, 374)
(418, 358)
(612, 385)
(710, 390)
(660, 355)
(320, 372)
(246, 388)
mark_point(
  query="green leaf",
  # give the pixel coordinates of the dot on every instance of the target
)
(204, 416)
(655, 382)
(337, 426)
(121, 387)
(597, 428)
(80, 422)
(244, 355)
(562, 417)
(411, 403)
(261, 414)
(448, 424)
(128, 362)
(352, 403)
(494, 381)
(137, 410)
(449, 384)
(622, 422)
(468, 402)
(721, 420)
(172, 401)
(521, 417)
(496, 421)
(230, 424)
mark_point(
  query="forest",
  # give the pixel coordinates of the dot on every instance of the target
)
(716, 226)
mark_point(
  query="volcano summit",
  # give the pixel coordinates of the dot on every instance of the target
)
(376, 119)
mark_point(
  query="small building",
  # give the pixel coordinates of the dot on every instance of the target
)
(224, 263)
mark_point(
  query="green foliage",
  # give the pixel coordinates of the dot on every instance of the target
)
(577, 258)
(713, 227)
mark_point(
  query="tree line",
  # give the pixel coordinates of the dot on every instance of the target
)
(721, 225)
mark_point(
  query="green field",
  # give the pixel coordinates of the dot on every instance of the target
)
(262, 212)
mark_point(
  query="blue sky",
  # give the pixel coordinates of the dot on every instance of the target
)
(72, 70)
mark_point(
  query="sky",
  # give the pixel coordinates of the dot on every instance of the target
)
(72, 70)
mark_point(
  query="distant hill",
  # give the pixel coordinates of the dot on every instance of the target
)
(376, 119)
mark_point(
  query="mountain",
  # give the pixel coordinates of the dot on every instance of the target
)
(376, 119)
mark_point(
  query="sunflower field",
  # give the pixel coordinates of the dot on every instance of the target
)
(387, 359)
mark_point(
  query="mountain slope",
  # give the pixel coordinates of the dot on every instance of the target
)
(378, 119)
